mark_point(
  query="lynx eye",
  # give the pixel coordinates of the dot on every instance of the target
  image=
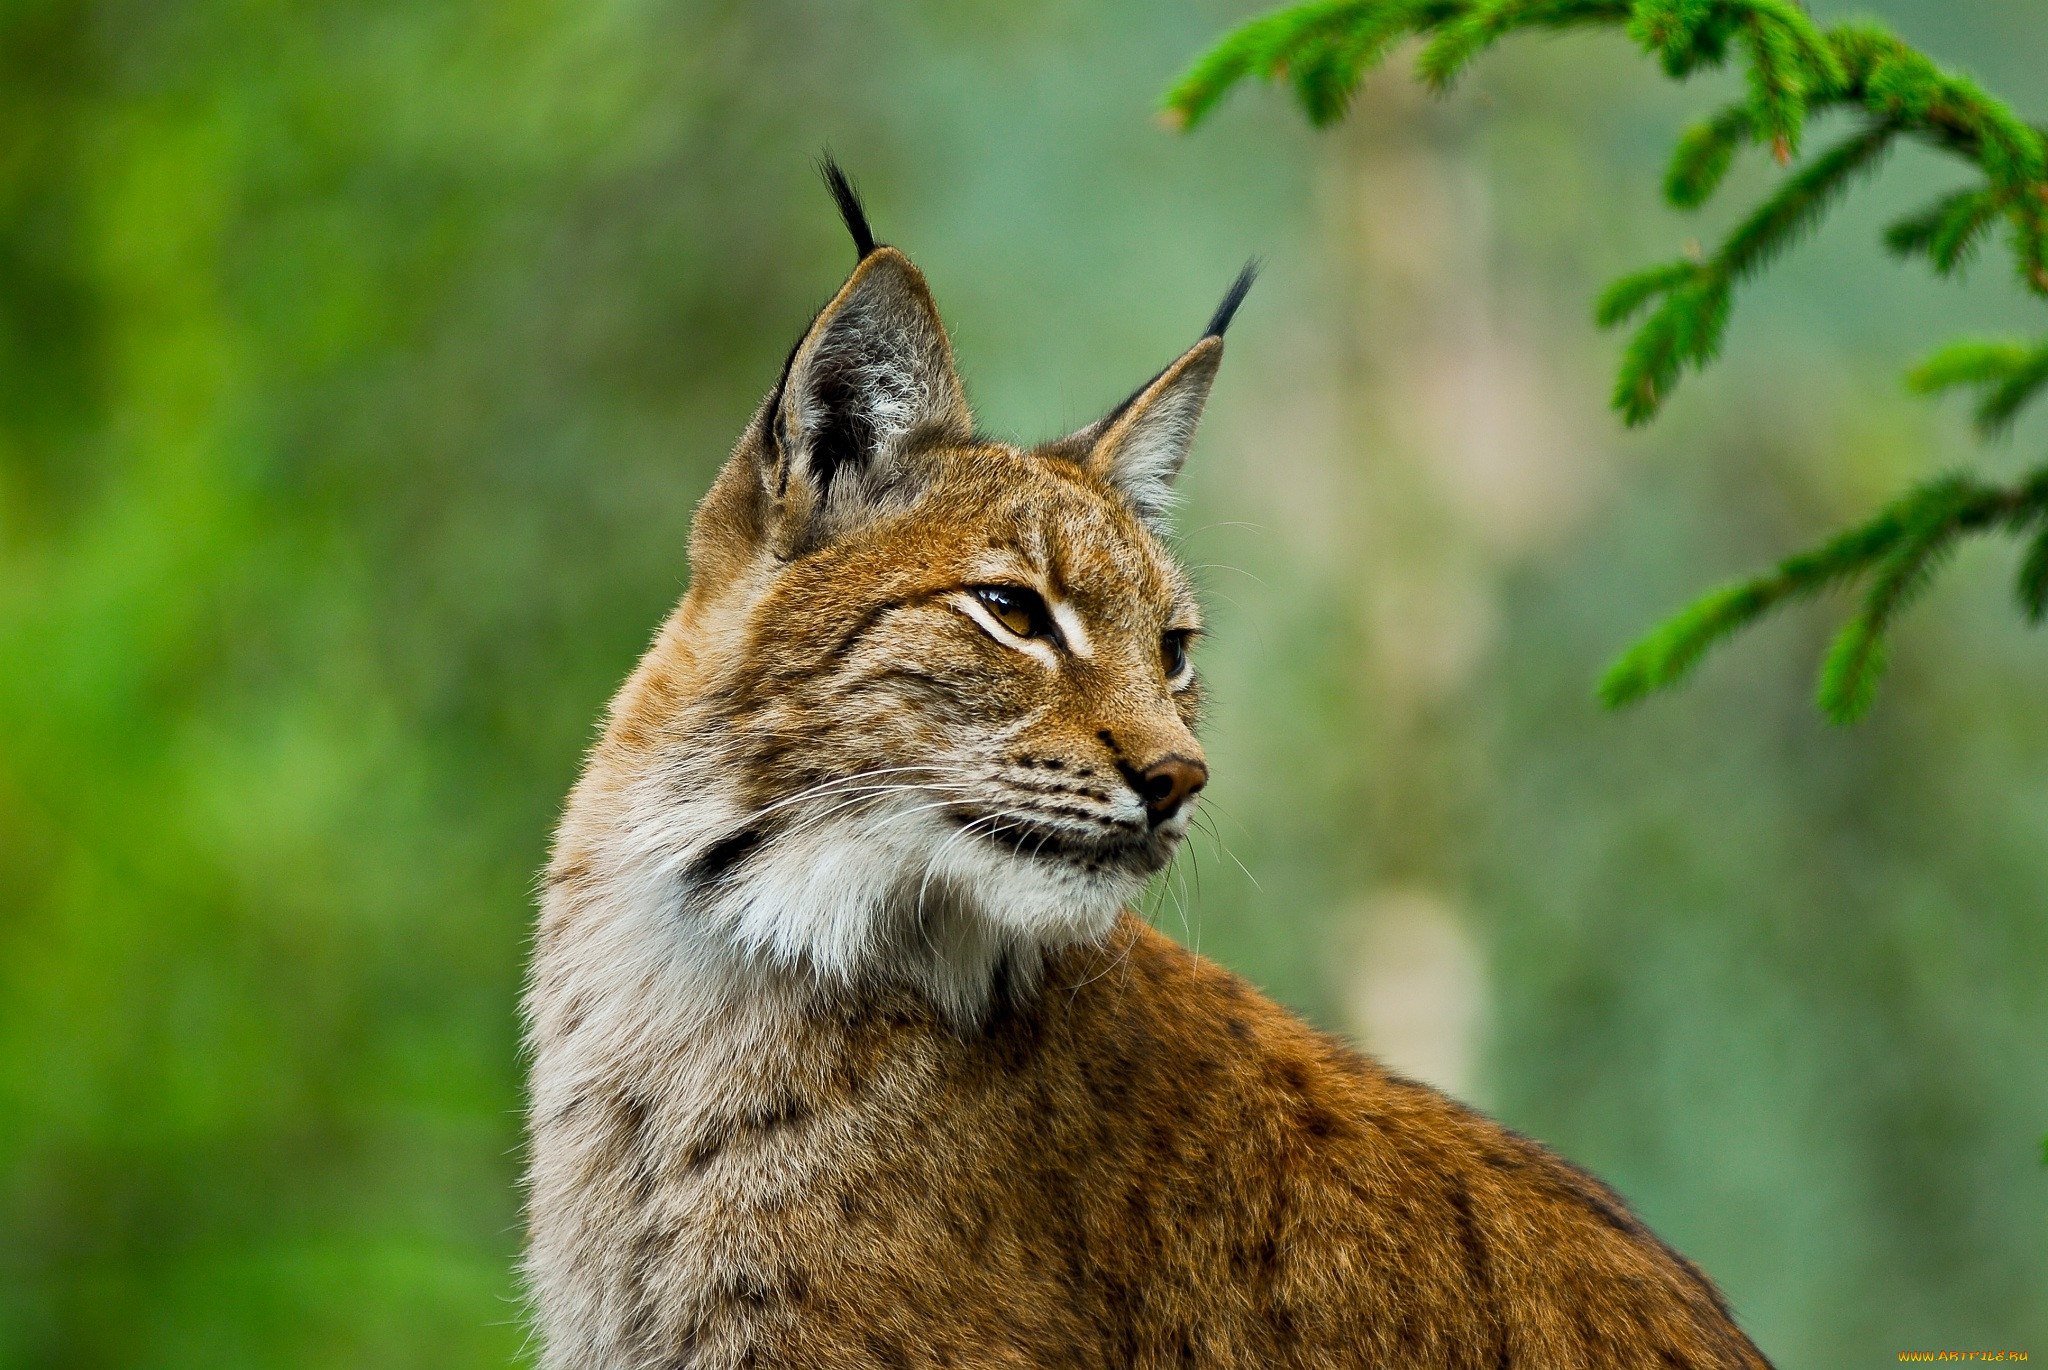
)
(1173, 653)
(1019, 610)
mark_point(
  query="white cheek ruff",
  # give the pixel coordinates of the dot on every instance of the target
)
(896, 890)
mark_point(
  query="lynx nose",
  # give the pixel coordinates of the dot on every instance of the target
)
(1168, 783)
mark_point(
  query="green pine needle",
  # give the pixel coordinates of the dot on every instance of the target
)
(1970, 361)
(1931, 521)
(1627, 297)
(1684, 35)
(2033, 578)
(2009, 373)
(1949, 230)
(1849, 676)
(1686, 330)
(1799, 203)
(1668, 653)
(1299, 38)
(2002, 405)
(1704, 154)
(2030, 244)
(1791, 64)
(1461, 40)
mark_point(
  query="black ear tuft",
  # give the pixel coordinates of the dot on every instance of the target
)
(1232, 298)
(849, 206)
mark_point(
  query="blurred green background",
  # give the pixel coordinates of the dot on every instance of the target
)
(360, 366)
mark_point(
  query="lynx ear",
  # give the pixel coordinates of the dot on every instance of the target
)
(870, 381)
(1140, 447)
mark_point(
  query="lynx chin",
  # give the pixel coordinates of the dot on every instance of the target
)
(829, 1067)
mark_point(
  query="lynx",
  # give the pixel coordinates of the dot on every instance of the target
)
(846, 1051)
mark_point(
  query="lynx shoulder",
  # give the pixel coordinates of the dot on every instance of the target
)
(844, 1053)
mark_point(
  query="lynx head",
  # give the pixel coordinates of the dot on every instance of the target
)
(928, 706)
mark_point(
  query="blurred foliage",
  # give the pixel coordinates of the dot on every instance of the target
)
(1793, 70)
(359, 366)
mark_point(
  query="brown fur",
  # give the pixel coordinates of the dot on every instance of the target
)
(963, 1113)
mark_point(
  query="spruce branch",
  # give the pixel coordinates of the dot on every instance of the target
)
(1898, 549)
(1793, 71)
(1664, 656)
(1688, 328)
(1801, 201)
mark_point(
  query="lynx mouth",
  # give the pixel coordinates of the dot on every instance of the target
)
(1111, 854)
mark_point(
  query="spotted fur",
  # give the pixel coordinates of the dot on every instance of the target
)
(844, 1052)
